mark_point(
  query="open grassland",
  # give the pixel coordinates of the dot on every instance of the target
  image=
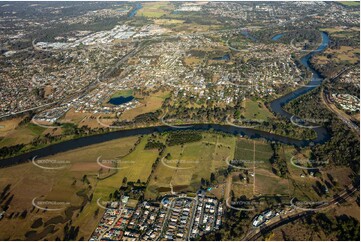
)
(304, 181)
(193, 28)
(168, 22)
(308, 230)
(187, 164)
(147, 104)
(134, 166)
(192, 61)
(299, 187)
(344, 53)
(299, 183)
(84, 119)
(267, 183)
(180, 168)
(63, 185)
(241, 187)
(155, 9)
(255, 156)
(253, 150)
(9, 125)
(350, 3)
(22, 134)
(256, 110)
(30, 182)
(340, 30)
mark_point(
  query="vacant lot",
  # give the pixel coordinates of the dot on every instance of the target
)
(267, 183)
(8, 125)
(192, 61)
(80, 118)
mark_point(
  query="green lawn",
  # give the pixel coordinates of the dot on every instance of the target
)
(122, 93)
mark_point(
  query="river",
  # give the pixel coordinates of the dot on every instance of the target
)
(276, 107)
(134, 10)
(316, 80)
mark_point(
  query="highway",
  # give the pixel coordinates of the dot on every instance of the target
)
(325, 97)
(279, 221)
(340, 114)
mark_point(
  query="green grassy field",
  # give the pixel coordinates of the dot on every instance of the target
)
(256, 110)
(249, 150)
(137, 165)
(122, 93)
(155, 9)
(189, 163)
(350, 3)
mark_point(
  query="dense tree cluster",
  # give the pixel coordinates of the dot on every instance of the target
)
(10, 150)
(279, 164)
(343, 148)
(344, 228)
(182, 137)
(153, 144)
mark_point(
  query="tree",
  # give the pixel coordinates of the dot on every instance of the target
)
(96, 212)
(213, 177)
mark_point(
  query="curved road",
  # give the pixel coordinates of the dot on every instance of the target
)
(276, 222)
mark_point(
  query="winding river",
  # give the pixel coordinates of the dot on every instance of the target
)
(276, 107)
(316, 80)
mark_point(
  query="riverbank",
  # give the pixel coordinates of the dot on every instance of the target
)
(99, 138)
(276, 107)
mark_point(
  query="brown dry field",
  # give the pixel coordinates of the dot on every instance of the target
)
(298, 231)
(344, 53)
(269, 183)
(8, 125)
(82, 119)
(148, 104)
(29, 181)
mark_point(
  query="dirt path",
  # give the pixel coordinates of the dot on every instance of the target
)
(254, 168)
